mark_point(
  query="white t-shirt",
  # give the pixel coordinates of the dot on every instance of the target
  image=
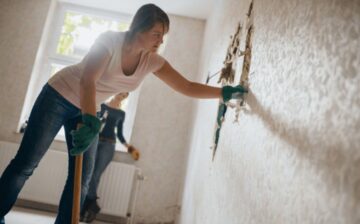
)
(113, 80)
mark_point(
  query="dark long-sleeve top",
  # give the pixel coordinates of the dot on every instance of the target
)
(114, 118)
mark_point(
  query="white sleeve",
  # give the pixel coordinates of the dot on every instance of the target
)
(156, 62)
(106, 40)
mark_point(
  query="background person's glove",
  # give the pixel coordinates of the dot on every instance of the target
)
(85, 135)
(135, 154)
(229, 92)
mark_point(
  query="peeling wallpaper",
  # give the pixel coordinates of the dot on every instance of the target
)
(294, 155)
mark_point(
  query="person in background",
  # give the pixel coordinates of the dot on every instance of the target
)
(117, 62)
(113, 118)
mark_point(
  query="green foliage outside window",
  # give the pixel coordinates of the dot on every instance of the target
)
(74, 26)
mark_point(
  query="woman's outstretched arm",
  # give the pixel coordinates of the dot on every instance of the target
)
(180, 84)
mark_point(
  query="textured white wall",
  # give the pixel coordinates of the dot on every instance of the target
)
(21, 25)
(161, 128)
(294, 157)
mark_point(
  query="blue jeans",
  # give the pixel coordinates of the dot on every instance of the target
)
(50, 112)
(104, 154)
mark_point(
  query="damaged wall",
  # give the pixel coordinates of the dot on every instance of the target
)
(294, 156)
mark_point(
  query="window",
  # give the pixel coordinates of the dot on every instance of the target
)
(68, 35)
(77, 33)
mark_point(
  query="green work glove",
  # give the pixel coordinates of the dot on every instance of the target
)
(229, 92)
(85, 135)
(221, 113)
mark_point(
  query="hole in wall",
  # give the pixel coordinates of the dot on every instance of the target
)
(227, 73)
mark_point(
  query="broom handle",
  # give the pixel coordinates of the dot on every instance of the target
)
(77, 190)
(75, 217)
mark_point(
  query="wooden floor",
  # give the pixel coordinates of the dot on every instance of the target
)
(28, 216)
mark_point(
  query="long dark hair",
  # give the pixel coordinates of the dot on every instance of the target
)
(146, 17)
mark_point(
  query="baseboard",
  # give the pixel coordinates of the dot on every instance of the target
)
(52, 208)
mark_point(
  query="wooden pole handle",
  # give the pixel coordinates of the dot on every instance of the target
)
(75, 217)
(77, 190)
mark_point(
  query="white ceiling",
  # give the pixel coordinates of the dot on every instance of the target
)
(190, 8)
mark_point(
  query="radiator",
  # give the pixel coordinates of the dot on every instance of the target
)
(117, 189)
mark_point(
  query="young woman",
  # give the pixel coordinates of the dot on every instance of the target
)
(113, 118)
(117, 62)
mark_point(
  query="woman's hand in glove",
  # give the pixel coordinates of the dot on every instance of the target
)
(229, 92)
(134, 152)
(85, 135)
